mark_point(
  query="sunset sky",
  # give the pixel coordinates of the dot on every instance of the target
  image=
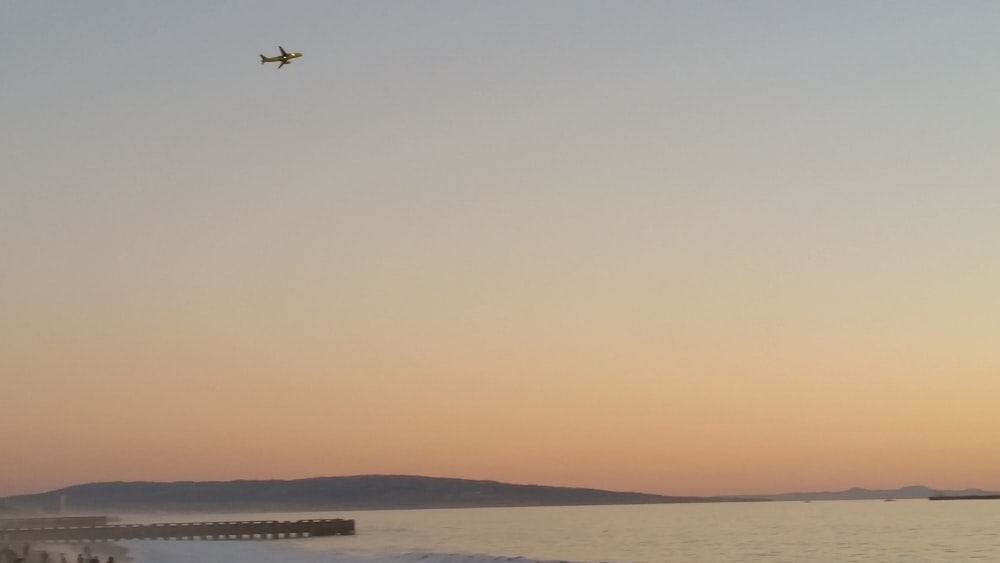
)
(671, 247)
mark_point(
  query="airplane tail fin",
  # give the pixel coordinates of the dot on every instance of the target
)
(262, 61)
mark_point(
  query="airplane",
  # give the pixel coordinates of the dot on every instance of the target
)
(284, 58)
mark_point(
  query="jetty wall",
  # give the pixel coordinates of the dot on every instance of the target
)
(241, 530)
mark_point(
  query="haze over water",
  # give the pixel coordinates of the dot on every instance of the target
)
(690, 248)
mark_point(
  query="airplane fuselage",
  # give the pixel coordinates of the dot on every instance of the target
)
(282, 59)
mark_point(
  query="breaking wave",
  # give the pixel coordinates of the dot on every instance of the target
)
(165, 551)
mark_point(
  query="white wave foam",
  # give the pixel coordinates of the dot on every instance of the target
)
(159, 551)
(473, 558)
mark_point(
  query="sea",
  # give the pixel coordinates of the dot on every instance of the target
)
(910, 531)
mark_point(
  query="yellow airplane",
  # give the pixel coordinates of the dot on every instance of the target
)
(284, 58)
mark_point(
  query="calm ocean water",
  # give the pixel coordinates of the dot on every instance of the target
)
(911, 531)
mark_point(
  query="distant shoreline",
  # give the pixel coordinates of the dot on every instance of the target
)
(387, 492)
(963, 497)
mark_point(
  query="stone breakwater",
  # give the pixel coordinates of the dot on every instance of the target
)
(239, 530)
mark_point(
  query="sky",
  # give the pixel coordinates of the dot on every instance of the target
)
(689, 248)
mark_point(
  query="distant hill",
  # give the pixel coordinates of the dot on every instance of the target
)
(910, 492)
(322, 493)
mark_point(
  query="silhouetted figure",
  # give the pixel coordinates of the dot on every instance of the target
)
(111, 559)
(80, 558)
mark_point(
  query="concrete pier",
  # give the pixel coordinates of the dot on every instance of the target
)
(240, 530)
(53, 522)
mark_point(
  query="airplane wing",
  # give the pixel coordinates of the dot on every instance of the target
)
(283, 63)
(282, 49)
